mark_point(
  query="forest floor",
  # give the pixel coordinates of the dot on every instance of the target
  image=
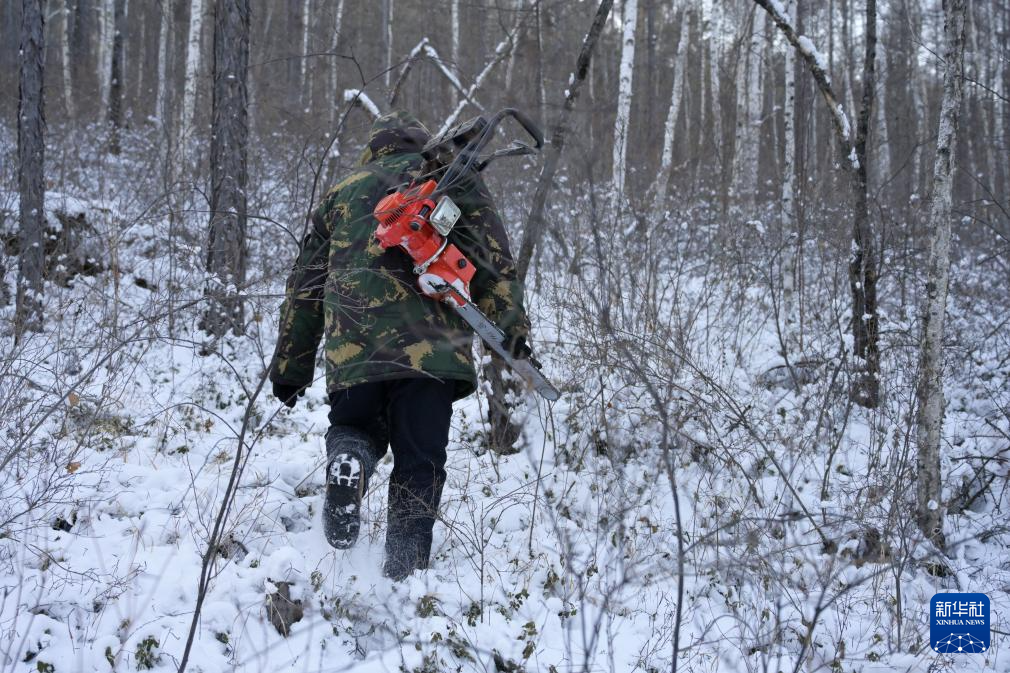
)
(792, 547)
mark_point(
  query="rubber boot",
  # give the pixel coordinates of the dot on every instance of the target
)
(410, 519)
(350, 463)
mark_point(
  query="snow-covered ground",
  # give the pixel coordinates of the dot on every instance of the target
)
(793, 545)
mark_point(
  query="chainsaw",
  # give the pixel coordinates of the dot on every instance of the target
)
(419, 217)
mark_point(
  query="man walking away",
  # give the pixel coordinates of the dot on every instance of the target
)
(395, 359)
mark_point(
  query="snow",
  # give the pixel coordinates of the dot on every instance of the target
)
(362, 97)
(807, 46)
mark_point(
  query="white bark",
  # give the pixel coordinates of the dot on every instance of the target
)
(711, 22)
(193, 64)
(789, 172)
(161, 104)
(335, 65)
(625, 80)
(881, 137)
(68, 82)
(666, 159)
(106, 33)
(455, 37)
(387, 28)
(788, 113)
(929, 391)
(303, 86)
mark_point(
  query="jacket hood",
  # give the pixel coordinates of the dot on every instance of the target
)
(396, 132)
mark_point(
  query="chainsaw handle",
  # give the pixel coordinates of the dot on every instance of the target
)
(468, 157)
(527, 123)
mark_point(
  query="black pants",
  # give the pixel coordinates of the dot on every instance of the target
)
(411, 416)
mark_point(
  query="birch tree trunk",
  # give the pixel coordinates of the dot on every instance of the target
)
(787, 212)
(387, 39)
(455, 38)
(625, 80)
(304, 90)
(666, 159)
(161, 102)
(31, 156)
(115, 118)
(226, 251)
(929, 392)
(68, 79)
(335, 71)
(853, 157)
(789, 130)
(107, 30)
(193, 60)
(712, 125)
(541, 92)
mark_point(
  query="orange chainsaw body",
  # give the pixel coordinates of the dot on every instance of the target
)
(403, 218)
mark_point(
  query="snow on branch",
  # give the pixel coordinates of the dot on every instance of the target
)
(818, 68)
(424, 47)
(359, 97)
(504, 48)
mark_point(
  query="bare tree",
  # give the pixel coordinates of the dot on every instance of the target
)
(106, 34)
(193, 59)
(534, 227)
(749, 99)
(387, 39)
(338, 18)
(666, 159)
(226, 250)
(68, 80)
(789, 124)
(929, 391)
(853, 157)
(162, 109)
(626, 75)
(116, 73)
(31, 156)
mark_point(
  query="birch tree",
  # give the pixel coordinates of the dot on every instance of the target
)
(387, 39)
(625, 80)
(106, 34)
(164, 39)
(455, 37)
(929, 391)
(31, 156)
(193, 54)
(853, 159)
(666, 159)
(226, 250)
(789, 124)
(335, 67)
(304, 88)
(68, 80)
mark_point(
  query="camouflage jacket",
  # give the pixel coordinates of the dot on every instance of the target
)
(364, 301)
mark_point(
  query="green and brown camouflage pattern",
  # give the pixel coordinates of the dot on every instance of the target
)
(363, 301)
